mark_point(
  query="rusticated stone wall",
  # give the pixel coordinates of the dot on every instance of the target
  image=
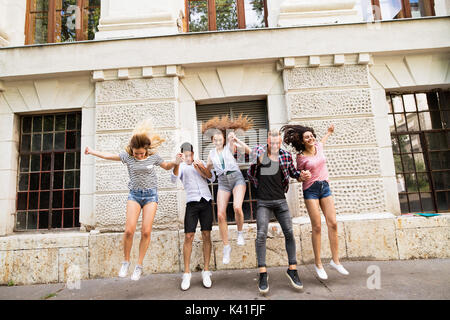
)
(120, 105)
(340, 95)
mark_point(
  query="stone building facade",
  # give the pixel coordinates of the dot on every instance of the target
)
(308, 68)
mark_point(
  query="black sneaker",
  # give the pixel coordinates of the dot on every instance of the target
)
(263, 285)
(294, 279)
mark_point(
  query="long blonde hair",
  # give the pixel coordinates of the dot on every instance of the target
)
(144, 137)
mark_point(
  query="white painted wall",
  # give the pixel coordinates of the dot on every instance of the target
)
(12, 22)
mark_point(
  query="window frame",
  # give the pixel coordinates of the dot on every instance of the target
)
(81, 33)
(405, 12)
(243, 167)
(397, 131)
(76, 190)
(212, 23)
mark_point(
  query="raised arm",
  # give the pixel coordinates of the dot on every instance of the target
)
(169, 165)
(209, 163)
(329, 133)
(202, 170)
(178, 159)
(234, 140)
(103, 155)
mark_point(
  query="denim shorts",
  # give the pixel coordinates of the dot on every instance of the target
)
(318, 190)
(143, 196)
(227, 182)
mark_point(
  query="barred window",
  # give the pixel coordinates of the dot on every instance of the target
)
(48, 188)
(420, 134)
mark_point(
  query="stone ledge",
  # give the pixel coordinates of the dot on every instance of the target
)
(31, 241)
(46, 258)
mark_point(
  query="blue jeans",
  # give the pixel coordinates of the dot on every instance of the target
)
(281, 211)
(143, 196)
(318, 190)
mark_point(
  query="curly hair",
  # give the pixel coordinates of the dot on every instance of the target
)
(222, 124)
(144, 137)
(293, 136)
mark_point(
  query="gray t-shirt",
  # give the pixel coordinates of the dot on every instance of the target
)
(142, 172)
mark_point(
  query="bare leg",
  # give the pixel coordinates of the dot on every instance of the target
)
(222, 202)
(329, 211)
(206, 237)
(238, 198)
(187, 250)
(312, 205)
(133, 211)
(148, 216)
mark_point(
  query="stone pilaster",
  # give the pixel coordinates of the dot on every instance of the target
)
(335, 89)
(123, 98)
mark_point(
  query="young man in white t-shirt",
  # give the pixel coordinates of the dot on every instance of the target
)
(194, 175)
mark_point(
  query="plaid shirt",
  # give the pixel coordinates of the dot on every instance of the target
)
(286, 164)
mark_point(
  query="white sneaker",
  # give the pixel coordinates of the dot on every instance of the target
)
(226, 254)
(321, 273)
(206, 275)
(137, 273)
(240, 238)
(124, 269)
(186, 282)
(339, 267)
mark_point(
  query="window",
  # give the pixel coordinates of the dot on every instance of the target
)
(48, 188)
(257, 110)
(208, 15)
(49, 21)
(420, 136)
(398, 9)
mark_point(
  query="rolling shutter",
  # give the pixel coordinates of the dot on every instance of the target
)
(257, 110)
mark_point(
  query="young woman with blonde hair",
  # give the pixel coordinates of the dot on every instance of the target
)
(140, 157)
(229, 176)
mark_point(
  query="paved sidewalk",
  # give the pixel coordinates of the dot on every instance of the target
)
(407, 279)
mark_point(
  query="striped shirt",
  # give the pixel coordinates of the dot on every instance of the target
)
(141, 172)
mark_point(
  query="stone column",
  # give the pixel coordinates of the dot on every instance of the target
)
(123, 98)
(306, 12)
(139, 18)
(12, 22)
(335, 90)
(9, 144)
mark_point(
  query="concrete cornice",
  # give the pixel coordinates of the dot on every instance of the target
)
(386, 37)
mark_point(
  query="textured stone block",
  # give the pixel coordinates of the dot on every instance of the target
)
(412, 222)
(306, 78)
(73, 264)
(125, 117)
(353, 196)
(329, 103)
(25, 267)
(44, 241)
(111, 211)
(135, 89)
(116, 142)
(325, 250)
(371, 239)
(106, 254)
(424, 243)
(346, 131)
(353, 162)
(113, 176)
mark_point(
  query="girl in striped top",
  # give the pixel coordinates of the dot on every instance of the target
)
(141, 159)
